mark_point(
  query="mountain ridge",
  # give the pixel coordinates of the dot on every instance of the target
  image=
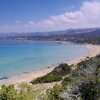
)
(61, 32)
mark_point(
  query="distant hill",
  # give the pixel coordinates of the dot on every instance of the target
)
(80, 35)
(68, 31)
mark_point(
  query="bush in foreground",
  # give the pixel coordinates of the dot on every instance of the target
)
(22, 92)
(90, 91)
(52, 93)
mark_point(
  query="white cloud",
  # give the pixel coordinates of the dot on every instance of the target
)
(87, 16)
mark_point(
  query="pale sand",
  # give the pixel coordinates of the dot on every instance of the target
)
(27, 77)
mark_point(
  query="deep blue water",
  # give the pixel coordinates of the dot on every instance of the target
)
(18, 56)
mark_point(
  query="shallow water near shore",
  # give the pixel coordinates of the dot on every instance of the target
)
(22, 56)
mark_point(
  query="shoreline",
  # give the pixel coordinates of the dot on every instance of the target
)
(29, 76)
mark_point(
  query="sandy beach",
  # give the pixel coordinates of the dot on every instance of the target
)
(28, 76)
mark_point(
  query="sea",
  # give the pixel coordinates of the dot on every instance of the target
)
(23, 56)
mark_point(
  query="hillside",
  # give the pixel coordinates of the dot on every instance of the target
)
(81, 83)
(88, 35)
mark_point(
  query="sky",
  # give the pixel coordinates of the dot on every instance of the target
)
(48, 15)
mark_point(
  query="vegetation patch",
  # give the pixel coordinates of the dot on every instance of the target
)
(89, 91)
(67, 81)
(83, 83)
(22, 92)
(55, 75)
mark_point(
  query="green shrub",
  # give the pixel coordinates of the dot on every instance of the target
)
(53, 93)
(55, 75)
(89, 91)
(66, 81)
(8, 93)
(46, 79)
(22, 92)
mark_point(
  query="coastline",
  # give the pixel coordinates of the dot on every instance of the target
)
(29, 76)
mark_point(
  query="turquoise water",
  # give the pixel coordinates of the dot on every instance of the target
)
(18, 56)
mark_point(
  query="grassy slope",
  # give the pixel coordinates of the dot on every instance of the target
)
(55, 75)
